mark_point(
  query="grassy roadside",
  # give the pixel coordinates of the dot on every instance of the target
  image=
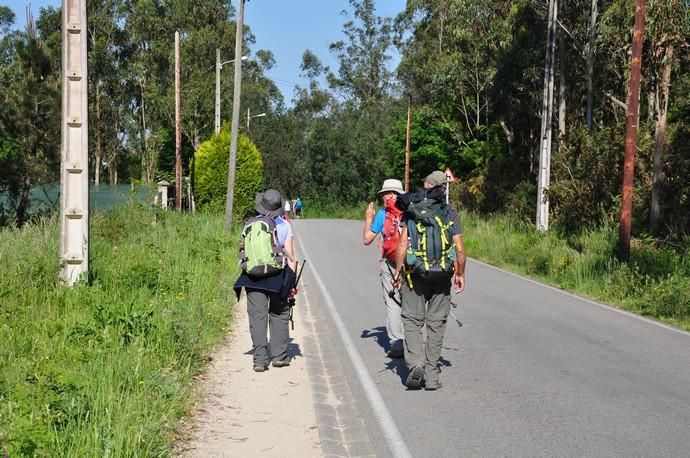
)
(105, 370)
(656, 283)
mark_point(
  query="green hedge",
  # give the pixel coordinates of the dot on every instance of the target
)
(210, 174)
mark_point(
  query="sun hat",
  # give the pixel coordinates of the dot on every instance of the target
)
(436, 178)
(391, 184)
(270, 203)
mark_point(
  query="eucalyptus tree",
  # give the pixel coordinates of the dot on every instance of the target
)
(668, 29)
(29, 127)
(107, 69)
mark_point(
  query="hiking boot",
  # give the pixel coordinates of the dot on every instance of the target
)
(395, 354)
(415, 377)
(260, 367)
(281, 362)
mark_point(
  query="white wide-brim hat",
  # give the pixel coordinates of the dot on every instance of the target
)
(391, 184)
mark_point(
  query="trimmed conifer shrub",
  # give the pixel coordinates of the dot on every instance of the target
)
(210, 174)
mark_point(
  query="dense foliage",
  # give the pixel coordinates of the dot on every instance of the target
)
(210, 173)
(473, 71)
(105, 369)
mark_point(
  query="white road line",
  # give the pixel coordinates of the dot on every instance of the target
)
(383, 416)
(589, 301)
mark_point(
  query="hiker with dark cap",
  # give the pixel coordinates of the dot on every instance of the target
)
(430, 258)
(268, 260)
(386, 222)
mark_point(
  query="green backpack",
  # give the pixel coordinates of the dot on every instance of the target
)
(431, 252)
(261, 255)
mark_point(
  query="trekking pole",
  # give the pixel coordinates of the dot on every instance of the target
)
(453, 314)
(291, 301)
(391, 293)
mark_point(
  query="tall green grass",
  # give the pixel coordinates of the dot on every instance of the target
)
(655, 283)
(105, 369)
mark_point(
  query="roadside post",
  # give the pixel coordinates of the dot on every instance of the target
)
(450, 178)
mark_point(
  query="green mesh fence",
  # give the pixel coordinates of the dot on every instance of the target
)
(46, 198)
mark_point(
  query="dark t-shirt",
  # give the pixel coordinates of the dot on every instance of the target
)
(453, 215)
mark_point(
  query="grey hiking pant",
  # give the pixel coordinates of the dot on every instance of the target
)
(264, 310)
(394, 327)
(425, 304)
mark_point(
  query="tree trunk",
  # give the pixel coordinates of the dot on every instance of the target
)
(562, 84)
(146, 162)
(97, 165)
(659, 134)
(24, 203)
(590, 63)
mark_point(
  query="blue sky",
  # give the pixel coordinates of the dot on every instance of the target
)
(286, 27)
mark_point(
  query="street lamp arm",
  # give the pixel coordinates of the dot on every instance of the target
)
(231, 61)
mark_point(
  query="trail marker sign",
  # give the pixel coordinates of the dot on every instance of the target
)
(449, 175)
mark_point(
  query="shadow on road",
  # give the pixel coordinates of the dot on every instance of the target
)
(379, 335)
(397, 366)
(293, 350)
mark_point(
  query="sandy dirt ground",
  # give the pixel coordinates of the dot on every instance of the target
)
(248, 414)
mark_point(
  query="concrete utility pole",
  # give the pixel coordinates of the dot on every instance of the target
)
(232, 163)
(631, 133)
(178, 128)
(74, 166)
(407, 143)
(217, 117)
(542, 220)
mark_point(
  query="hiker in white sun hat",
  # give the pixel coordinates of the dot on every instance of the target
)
(386, 222)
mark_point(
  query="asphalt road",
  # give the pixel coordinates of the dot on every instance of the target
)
(533, 371)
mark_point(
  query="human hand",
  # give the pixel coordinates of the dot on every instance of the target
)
(292, 293)
(459, 281)
(370, 212)
(397, 281)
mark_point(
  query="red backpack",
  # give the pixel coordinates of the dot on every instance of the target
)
(391, 233)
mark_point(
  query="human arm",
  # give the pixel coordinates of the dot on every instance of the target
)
(400, 258)
(368, 236)
(289, 248)
(460, 262)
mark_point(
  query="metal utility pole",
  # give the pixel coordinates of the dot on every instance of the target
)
(542, 219)
(217, 118)
(631, 133)
(74, 166)
(230, 196)
(407, 143)
(260, 115)
(178, 128)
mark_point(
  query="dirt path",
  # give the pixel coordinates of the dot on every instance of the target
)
(245, 413)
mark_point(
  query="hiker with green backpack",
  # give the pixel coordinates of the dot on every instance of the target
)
(269, 263)
(430, 258)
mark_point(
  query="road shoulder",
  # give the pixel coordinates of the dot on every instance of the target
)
(244, 413)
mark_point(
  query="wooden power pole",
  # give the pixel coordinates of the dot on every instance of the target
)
(407, 143)
(542, 219)
(74, 166)
(237, 91)
(178, 128)
(631, 133)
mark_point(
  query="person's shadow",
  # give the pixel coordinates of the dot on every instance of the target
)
(395, 365)
(293, 350)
